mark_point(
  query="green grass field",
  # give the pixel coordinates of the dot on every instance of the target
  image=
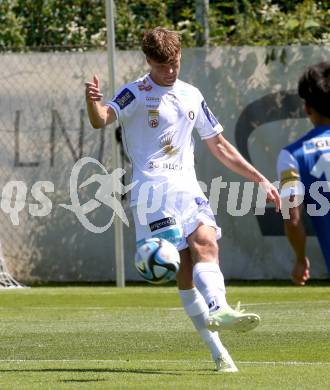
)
(139, 338)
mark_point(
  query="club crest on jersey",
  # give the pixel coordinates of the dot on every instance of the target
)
(153, 118)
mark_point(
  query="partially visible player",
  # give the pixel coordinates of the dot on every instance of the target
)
(307, 161)
(158, 113)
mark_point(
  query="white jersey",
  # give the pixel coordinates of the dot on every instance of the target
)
(157, 124)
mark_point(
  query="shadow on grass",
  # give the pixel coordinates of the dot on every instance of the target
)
(231, 282)
(96, 370)
(83, 380)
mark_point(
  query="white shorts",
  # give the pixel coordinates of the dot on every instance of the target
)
(174, 221)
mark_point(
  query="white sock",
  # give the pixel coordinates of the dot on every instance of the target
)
(210, 282)
(198, 312)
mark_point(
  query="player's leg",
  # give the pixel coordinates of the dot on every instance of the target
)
(209, 280)
(197, 310)
(207, 275)
(192, 301)
(301, 271)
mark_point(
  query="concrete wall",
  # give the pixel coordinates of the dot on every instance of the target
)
(44, 130)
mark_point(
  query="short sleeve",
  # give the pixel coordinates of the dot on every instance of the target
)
(124, 102)
(206, 123)
(288, 175)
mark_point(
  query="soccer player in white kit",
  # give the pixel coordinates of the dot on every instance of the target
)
(158, 113)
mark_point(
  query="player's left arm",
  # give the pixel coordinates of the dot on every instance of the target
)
(292, 191)
(295, 231)
(229, 156)
(296, 234)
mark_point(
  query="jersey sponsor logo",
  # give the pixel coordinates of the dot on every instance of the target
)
(124, 98)
(161, 223)
(191, 115)
(164, 165)
(166, 143)
(209, 115)
(152, 99)
(172, 166)
(316, 144)
(153, 118)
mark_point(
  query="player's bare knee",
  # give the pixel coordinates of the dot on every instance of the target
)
(204, 248)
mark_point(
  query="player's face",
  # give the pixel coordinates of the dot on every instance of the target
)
(165, 74)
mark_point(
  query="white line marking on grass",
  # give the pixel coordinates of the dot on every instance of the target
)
(284, 363)
(284, 303)
(266, 304)
(91, 308)
(248, 363)
(79, 308)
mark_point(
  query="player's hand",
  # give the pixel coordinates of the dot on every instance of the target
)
(300, 273)
(92, 91)
(272, 194)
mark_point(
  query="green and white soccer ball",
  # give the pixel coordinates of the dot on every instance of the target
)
(157, 260)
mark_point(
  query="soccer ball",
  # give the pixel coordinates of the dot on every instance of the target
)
(157, 260)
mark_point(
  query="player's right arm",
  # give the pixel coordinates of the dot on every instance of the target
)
(99, 115)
